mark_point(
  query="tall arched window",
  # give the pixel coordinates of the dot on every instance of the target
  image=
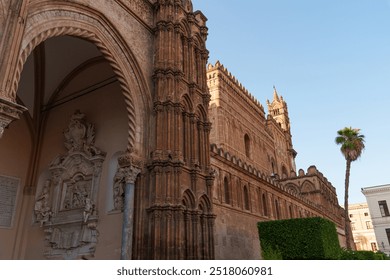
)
(291, 212)
(265, 209)
(246, 198)
(226, 190)
(284, 172)
(277, 210)
(247, 145)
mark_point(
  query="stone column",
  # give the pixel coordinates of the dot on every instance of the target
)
(131, 172)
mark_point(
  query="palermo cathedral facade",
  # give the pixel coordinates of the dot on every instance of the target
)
(118, 141)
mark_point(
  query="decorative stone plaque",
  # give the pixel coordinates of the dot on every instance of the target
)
(8, 193)
(66, 205)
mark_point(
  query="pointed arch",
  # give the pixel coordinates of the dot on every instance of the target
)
(188, 200)
(206, 228)
(247, 145)
(201, 113)
(307, 187)
(284, 172)
(61, 19)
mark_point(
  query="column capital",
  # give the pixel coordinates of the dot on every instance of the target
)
(9, 112)
(129, 167)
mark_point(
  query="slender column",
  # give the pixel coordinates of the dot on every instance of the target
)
(128, 213)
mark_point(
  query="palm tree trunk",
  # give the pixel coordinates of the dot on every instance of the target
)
(347, 221)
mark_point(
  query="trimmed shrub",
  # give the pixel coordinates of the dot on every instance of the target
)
(299, 239)
(362, 255)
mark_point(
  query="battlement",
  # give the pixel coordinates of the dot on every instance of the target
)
(229, 79)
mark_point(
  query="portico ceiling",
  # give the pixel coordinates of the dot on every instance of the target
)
(48, 68)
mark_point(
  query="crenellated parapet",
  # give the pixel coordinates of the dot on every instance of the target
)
(218, 75)
(291, 187)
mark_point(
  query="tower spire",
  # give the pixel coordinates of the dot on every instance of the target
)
(276, 96)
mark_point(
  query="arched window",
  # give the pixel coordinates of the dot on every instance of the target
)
(277, 210)
(247, 145)
(226, 190)
(291, 212)
(265, 209)
(246, 198)
(284, 172)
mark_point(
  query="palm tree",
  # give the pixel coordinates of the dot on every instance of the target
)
(352, 146)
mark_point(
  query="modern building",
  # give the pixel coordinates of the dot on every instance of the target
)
(362, 227)
(119, 143)
(378, 199)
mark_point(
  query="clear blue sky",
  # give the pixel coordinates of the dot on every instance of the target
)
(329, 59)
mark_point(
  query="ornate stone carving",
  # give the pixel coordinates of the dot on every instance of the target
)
(187, 4)
(42, 209)
(126, 173)
(66, 208)
(80, 135)
(8, 113)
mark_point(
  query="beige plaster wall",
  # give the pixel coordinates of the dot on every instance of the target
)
(15, 146)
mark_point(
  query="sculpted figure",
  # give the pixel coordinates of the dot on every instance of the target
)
(88, 209)
(118, 189)
(41, 208)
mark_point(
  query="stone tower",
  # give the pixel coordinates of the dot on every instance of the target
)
(277, 109)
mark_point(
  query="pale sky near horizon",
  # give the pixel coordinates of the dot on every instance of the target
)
(329, 59)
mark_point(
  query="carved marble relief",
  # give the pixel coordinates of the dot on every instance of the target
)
(66, 207)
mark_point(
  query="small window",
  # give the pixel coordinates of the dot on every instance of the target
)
(374, 247)
(265, 209)
(350, 215)
(366, 214)
(368, 225)
(247, 145)
(383, 208)
(246, 198)
(277, 209)
(226, 190)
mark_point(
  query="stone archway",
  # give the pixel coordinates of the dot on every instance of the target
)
(92, 26)
(60, 20)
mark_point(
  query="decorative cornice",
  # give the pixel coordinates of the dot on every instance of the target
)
(376, 189)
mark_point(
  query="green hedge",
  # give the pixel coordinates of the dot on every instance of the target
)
(362, 255)
(299, 239)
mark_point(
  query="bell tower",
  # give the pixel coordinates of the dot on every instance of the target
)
(278, 110)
